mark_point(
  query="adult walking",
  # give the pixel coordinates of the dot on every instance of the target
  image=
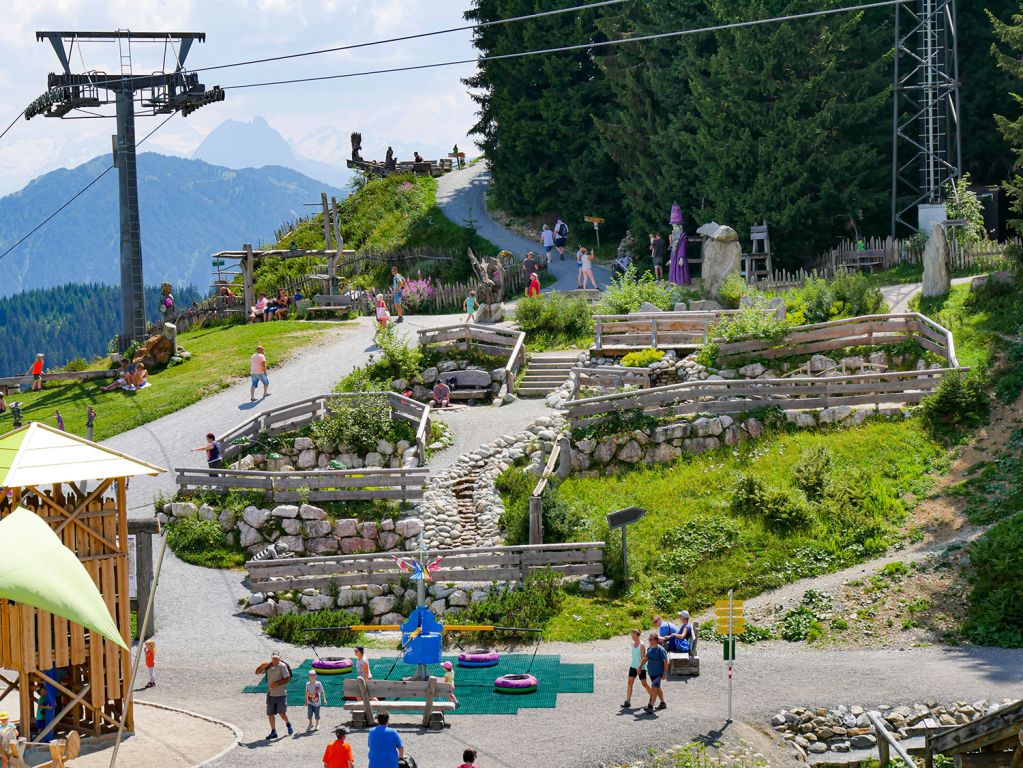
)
(278, 675)
(385, 744)
(547, 241)
(560, 237)
(586, 269)
(398, 283)
(214, 456)
(658, 250)
(637, 667)
(36, 370)
(257, 370)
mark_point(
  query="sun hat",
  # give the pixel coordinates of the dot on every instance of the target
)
(4, 716)
(447, 665)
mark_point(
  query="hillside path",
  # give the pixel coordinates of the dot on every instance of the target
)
(461, 195)
(898, 296)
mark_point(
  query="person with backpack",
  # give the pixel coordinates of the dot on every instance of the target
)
(278, 675)
(560, 237)
(397, 287)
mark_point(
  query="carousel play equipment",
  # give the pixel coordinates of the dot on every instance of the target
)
(61, 751)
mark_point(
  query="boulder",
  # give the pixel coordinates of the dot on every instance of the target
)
(206, 512)
(752, 371)
(777, 307)
(834, 414)
(285, 607)
(704, 305)
(801, 419)
(262, 610)
(385, 448)
(374, 459)
(399, 385)
(355, 545)
(182, 509)
(304, 444)
(722, 257)
(316, 602)
(306, 459)
(248, 536)
(389, 541)
(458, 599)
(326, 545)
(226, 520)
(820, 363)
(863, 741)
(285, 511)
(382, 604)
(754, 427)
(681, 306)
(309, 512)
(292, 527)
(631, 452)
(293, 543)
(409, 528)
(646, 306)
(937, 279)
(317, 528)
(350, 598)
(664, 453)
(368, 530)
(346, 527)
(255, 517)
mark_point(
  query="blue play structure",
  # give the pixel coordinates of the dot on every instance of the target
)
(421, 638)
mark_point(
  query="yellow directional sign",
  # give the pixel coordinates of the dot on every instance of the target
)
(593, 219)
(738, 625)
(723, 615)
(723, 604)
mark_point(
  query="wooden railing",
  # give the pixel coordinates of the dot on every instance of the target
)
(500, 342)
(372, 483)
(484, 564)
(654, 330)
(740, 395)
(866, 330)
(10, 382)
(616, 376)
(886, 743)
(301, 413)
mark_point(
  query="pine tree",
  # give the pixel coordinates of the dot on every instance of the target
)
(1010, 35)
(787, 123)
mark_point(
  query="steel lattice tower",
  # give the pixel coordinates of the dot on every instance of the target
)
(926, 142)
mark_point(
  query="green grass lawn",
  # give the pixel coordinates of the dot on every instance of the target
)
(876, 466)
(220, 355)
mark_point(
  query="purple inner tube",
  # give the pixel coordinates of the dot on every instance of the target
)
(478, 657)
(515, 682)
(333, 664)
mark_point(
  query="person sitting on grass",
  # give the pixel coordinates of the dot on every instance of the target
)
(656, 662)
(120, 379)
(3, 403)
(141, 376)
(441, 395)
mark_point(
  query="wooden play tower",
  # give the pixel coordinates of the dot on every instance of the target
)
(78, 489)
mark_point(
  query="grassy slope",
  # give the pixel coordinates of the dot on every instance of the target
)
(899, 454)
(220, 355)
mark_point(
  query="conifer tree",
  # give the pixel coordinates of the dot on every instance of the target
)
(1010, 35)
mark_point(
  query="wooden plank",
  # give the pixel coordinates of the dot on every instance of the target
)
(401, 689)
(983, 731)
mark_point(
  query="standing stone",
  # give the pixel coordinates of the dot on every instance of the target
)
(722, 256)
(937, 281)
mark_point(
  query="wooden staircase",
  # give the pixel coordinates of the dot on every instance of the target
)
(545, 372)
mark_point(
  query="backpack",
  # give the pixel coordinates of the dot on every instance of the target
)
(561, 230)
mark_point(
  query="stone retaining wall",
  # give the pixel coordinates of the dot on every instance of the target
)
(307, 453)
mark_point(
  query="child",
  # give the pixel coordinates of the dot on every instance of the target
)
(470, 305)
(315, 697)
(656, 664)
(533, 289)
(339, 753)
(8, 734)
(469, 759)
(637, 668)
(361, 665)
(60, 419)
(150, 649)
(382, 314)
(449, 677)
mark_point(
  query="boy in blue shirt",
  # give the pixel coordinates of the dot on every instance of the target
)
(385, 746)
(656, 663)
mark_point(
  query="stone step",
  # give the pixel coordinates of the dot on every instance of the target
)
(533, 392)
(544, 378)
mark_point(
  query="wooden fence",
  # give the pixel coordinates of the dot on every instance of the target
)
(484, 564)
(292, 417)
(8, 383)
(961, 257)
(643, 330)
(372, 483)
(741, 395)
(866, 330)
(615, 376)
(490, 339)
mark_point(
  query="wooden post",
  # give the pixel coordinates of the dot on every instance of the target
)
(248, 270)
(431, 689)
(564, 457)
(535, 520)
(326, 220)
(144, 581)
(367, 706)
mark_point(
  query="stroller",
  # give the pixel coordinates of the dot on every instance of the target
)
(620, 266)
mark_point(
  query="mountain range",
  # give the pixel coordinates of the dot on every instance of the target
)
(189, 209)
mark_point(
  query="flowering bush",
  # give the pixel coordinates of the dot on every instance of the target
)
(405, 186)
(416, 294)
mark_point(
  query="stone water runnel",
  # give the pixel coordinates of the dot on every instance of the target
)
(462, 507)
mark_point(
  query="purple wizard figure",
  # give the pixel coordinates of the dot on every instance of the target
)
(678, 269)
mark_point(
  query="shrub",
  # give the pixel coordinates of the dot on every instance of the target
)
(960, 402)
(532, 605)
(995, 615)
(817, 298)
(201, 542)
(642, 358)
(398, 359)
(754, 321)
(626, 294)
(812, 471)
(782, 509)
(290, 627)
(76, 364)
(360, 423)
(804, 621)
(560, 522)
(417, 294)
(554, 318)
(688, 545)
(733, 289)
(855, 295)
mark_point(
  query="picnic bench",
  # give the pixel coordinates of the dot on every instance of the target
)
(398, 696)
(472, 384)
(686, 664)
(862, 259)
(323, 302)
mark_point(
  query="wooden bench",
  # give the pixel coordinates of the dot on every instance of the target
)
(686, 664)
(472, 384)
(330, 303)
(398, 696)
(866, 259)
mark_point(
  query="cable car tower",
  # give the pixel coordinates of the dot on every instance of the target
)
(926, 142)
(170, 89)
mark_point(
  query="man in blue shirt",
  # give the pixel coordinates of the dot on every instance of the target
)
(385, 747)
(666, 632)
(656, 662)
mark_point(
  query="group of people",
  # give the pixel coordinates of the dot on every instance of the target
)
(130, 377)
(649, 661)
(383, 314)
(386, 747)
(265, 309)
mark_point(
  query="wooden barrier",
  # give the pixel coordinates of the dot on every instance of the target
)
(482, 564)
(492, 340)
(866, 330)
(368, 484)
(740, 395)
(616, 376)
(619, 334)
(294, 416)
(8, 383)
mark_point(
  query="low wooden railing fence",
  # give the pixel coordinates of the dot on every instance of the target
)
(12, 382)
(370, 484)
(492, 340)
(616, 376)
(483, 564)
(292, 417)
(866, 330)
(740, 395)
(643, 330)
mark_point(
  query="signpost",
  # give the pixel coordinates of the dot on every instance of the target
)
(730, 612)
(621, 519)
(596, 221)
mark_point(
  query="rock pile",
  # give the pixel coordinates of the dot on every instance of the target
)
(303, 530)
(816, 730)
(306, 453)
(468, 375)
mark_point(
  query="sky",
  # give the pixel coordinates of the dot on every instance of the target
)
(429, 108)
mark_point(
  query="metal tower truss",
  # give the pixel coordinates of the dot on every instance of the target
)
(79, 95)
(926, 144)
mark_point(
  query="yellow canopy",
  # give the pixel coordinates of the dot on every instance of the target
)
(40, 455)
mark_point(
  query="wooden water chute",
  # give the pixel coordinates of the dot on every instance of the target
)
(78, 488)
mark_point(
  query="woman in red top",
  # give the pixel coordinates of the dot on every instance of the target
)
(533, 289)
(37, 373)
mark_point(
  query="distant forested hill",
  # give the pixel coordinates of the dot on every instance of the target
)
(189, 210)
(66, 322)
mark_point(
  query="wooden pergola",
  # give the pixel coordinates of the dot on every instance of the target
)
(45, 471)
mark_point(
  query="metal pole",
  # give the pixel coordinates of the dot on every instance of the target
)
(133, 301)
(138, 653)
(895, 123)
(625, 555)
(421, 672)
(731, 656)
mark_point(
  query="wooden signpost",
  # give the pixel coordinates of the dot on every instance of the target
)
(730, 612)
(596, 221)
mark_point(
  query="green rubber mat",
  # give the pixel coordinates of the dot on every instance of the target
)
(474, 687)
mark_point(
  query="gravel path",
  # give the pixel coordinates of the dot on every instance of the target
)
(461, 195)
(898, 296)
